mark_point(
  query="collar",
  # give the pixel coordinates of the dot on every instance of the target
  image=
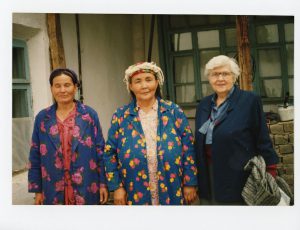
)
(153, 107)
(51, 111)
(214, 97)
(162, 106)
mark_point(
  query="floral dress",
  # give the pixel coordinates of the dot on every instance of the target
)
(46, 173)
(149, 123)
(126, 161)
(65, 128)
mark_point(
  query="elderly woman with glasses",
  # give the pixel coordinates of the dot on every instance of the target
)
(230, 130)
(149, 155)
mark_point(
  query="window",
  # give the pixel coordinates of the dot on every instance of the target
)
(192, 41)
(21, 84)
(189, 41)
(273, 48)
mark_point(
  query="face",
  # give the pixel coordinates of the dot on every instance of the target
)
(144, 86)
(221, 80)
(63, 89)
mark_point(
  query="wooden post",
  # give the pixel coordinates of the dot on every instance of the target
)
(56, 48)
(244, 55)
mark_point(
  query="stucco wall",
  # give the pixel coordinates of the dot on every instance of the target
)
(31, 28)
(108, 47)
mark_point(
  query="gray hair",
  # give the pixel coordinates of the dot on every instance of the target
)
(220, 61)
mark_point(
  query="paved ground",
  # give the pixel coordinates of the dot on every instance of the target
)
(20, 193)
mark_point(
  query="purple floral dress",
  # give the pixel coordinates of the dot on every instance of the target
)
(46, 165)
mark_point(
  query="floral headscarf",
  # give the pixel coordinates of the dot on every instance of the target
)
(144, 67)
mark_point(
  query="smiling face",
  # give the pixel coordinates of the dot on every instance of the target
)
(63, 89)
(221, 80)
(143, 86)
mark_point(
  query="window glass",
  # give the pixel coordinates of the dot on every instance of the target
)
(208, 39)
(230, 35)
(20, 103)
(206, 89)
(184, 69)
(272, 88)
(18, 63)
(290, 58)
(269, 62)
(205, 56)
(289, 32)
(291, 86)
(21, 99)
(185, 94)
(182, 41)
(267, 34)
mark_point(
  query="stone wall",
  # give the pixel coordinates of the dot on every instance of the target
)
(282, 136)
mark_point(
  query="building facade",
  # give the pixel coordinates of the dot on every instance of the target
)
(181, 45)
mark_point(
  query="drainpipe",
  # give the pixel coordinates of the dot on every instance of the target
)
(80, 89)
(151, 38)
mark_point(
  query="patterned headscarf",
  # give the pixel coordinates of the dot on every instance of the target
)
(144, 67)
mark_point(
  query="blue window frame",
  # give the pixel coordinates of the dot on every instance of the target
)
(21, 90)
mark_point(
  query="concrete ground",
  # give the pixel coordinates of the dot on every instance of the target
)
(20, 194)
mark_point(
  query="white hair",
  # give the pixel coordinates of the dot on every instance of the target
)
(220, 61)
(147, 66)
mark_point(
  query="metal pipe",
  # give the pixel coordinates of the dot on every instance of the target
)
(151, 37)
(80, 89)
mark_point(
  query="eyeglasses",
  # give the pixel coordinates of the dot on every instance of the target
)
(216, 75)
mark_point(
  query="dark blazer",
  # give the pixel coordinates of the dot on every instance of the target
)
(241, 133)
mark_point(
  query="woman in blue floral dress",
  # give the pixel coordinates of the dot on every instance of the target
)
(149, 155)
(65, 162)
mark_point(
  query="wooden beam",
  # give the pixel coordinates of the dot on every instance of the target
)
(56, 48)
(244, 55)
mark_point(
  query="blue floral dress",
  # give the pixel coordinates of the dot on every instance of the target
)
(46, 170)
(125, 155)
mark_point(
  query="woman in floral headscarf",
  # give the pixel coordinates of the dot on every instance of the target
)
(65, 162)
(149, 154)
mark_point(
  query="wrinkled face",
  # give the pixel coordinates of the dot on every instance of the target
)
(63, 89)
(221, 80)
(144, 86)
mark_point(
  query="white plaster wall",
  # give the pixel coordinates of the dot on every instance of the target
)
(39, 65)
(108, 47)
(106, 51)
(32, 28)
(69, 36)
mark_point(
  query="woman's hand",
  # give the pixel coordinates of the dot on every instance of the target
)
(38, 200)
(103, 194)
(189, 194)
(120, 196)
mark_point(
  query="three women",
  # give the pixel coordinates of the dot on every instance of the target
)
(149, 156)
